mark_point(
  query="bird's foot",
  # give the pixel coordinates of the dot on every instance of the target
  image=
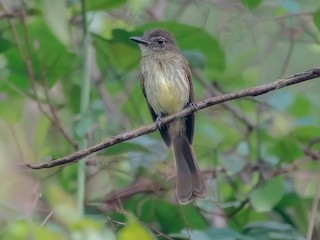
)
(159, 122)
(194, 106)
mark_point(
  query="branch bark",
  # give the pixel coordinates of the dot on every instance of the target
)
(254, 91)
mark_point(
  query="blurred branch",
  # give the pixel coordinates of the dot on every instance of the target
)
(157, 11)
(142, 185)
(313, 142)
(311, 154)
(254, 91)
(10, 15)
(25, 56)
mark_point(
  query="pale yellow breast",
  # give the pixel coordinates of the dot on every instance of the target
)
(166, 87)
(170, 97)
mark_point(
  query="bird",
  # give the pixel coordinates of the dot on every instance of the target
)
(166, 82)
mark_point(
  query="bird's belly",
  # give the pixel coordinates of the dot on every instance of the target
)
(167, 96)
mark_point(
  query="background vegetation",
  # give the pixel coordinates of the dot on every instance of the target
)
(69, 79)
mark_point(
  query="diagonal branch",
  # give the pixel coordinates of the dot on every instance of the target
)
(254, 91)
(216, 92)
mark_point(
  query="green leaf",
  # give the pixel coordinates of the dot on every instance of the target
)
(83, 126)
(63, 204)
(5, 44)
(24, 229)
(18, 75)
(68, 177)
(103, 4)
(192, 235)
(316, 19)
(224, 234)
(284, 149)
(11, 109)
(125, 147)
(55, 14)
(40, 136)
(272, 231)
(134, 230)
(49, 56)
(301, 107)
(264, 198)
(305, 133)
(195, 58)
(251, 3)
(233, 163)
(116, 52)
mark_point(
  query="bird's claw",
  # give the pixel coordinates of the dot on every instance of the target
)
(159, 122)
(194, 106)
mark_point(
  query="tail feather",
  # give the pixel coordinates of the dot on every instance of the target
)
(190, 183)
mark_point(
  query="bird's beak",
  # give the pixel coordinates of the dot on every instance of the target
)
(139, 40)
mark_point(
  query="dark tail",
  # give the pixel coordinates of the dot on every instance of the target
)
(190, 183)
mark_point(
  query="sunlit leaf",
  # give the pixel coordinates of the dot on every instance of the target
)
(265, 197)
(64, 205)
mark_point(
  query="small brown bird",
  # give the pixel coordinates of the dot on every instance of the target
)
(167, 86)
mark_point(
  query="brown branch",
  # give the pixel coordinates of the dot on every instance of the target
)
(145, 186)
(10, 15)
(216, 92)
(289, 54)
(254, 91)
(312, 154)
(32, 77)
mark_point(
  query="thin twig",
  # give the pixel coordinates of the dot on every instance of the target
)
(28, 64)
(10, 15)
(55, 119)
(143, 185)
(47, 218)
(288, 56)
(254, 91)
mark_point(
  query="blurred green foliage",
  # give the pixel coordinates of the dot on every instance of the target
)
(262, 180)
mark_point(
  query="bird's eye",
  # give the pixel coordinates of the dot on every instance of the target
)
(160, 41)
